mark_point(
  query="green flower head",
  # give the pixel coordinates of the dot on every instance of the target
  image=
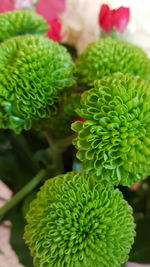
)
(34, 71)
(21, 22)
(107, 56)
(114, 139)
(78, 222)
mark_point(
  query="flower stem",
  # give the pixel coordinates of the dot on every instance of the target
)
(65, 142)
(22, 193)
(56, 153)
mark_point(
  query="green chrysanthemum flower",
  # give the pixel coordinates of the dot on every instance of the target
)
(114, 141)
(107, 56)
(78, 222)
(33, 73)
(21, 22)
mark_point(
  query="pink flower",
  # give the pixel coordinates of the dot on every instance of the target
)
(6, 5)
(116, 18)
(21, 4)
(50, 9)
(55, 30)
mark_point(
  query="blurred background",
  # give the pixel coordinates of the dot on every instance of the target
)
(79, 18)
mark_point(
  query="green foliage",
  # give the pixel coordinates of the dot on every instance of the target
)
(61, 123)
(77, 221)
(21, 22)
(34, 71)
(17, 166)
(141, 249)
(108, 56)
(114, 139)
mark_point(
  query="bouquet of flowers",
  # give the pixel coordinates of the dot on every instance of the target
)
(74, 140)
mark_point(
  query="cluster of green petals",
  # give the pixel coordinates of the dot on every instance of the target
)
(76, 221)
(34, 72)
(107, 56)
(114, 140)
(20, 22)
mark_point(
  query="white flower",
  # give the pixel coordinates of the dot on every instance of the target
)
(79, 22)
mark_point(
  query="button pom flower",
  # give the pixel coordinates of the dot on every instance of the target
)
(76, 221)
(34, 72)
(113, 19)
(114, 140)
(108, 56)
(21, 22)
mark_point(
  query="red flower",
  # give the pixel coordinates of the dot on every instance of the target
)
(115, 18)
(121, 18)
(55, 30)
(105, 18)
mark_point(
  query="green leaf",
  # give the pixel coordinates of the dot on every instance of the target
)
(17, 165)
(141, 248)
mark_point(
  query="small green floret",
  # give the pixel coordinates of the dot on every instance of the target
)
(20, 22)
(34, 72)
(76, 221)
(107, 56)
(114, 140)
